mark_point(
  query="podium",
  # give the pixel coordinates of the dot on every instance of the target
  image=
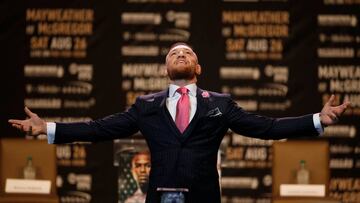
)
(286, 158)
(13, 155)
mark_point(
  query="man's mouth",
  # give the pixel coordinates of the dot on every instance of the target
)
(180, 61)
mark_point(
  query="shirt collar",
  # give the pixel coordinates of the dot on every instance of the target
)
(191, 87)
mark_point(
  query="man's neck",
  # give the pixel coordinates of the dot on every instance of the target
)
(182, 83)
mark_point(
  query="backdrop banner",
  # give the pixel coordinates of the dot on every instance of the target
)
(80, 60)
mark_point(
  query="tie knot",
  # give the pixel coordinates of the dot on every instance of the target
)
(182, 90)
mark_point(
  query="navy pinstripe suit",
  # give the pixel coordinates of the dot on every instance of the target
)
(185, 160)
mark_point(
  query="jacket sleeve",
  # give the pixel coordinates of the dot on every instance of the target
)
(253, 125)
(115, 126)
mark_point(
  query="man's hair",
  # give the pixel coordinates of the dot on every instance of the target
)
(180, 43)
(144, 152)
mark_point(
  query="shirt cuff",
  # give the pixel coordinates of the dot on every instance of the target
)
(317, 124)
(51, 127)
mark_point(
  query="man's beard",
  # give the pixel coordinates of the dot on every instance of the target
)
(183, 74)
(144, 186)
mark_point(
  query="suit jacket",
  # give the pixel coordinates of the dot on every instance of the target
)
(185, 160)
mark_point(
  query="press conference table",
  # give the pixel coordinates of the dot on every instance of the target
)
(12, 198)
(305, 200)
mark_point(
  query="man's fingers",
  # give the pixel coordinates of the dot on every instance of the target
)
(340, 109)
(330, 102)
(16, 126)
(332, 116)
(14, 121)
(24, 128)
(346, 104)
(29, 131)
(28, 112)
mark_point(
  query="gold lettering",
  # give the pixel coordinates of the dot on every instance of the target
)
(39, 42)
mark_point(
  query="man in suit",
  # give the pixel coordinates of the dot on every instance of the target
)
(140, 169)
(183, 127)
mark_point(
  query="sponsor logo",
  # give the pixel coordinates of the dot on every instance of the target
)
(337, 20)
(341, 163)
(340, 131)
(82, 181)
(140, 51)
(279, 73)
(240, 91)
(66, 119)
(43, 71)
(273, 89)
(346, 52)
(175, 35)
(336, 38)
(43, 103)
(252, 73)
(83, 71)
(77, 87)
(140, 36)
(75, 196)
(85, 104)
(42, 89)
(180, 19)
(247, 141)
(239, 182)
(141, 18)
(341, 149)
(267, 180)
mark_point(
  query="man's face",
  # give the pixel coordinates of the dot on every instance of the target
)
(182, 63)
(141, 164)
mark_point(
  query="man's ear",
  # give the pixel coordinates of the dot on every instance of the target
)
(198, 69)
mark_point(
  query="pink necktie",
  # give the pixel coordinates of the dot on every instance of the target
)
(182, 109)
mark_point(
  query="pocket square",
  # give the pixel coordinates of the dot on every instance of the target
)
(214, 112)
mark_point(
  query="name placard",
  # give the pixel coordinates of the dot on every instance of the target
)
(303, 190)
(27, 186)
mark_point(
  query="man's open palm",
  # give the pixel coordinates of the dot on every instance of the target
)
(33, 125)
(330, 113)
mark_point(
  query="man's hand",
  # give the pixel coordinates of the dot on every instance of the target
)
(33, 125)
(330, 113)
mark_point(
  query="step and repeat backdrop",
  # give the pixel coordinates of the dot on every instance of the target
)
(80, 60)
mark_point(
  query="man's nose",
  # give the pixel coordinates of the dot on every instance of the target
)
(180, 54)
(142, 168)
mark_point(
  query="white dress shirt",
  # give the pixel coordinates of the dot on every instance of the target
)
(174, 96)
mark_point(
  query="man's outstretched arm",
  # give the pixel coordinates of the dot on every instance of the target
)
(111, 127)
(254, 125)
